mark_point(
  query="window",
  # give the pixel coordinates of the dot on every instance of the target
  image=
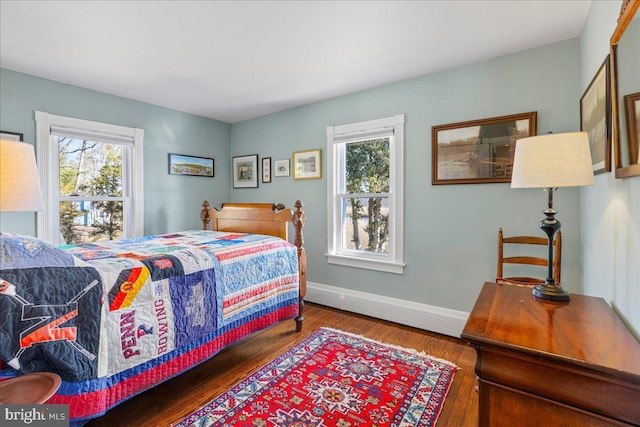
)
(92, 191)
(365, 190)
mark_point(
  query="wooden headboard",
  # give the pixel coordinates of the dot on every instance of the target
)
(271, 219)
(258, 218)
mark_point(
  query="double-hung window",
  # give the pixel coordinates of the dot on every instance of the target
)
(365, 190)
(92, 175)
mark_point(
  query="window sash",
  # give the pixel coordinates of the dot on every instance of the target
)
(126, 184)
(337, 138)
(345, 223)
(125, 212)
(127, 172)
(93, 199)
(49, 127)
(361, 195)
(341, 223)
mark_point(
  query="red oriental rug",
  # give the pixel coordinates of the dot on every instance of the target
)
(337, 379)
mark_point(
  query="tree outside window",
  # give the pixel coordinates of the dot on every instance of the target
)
(367, 173)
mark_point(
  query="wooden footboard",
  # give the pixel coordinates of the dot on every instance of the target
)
(262, 218)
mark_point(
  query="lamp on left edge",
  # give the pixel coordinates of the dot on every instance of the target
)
(19, 182)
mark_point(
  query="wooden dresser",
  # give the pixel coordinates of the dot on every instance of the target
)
(544, 363)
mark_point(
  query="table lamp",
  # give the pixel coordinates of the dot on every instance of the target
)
(19, 183)
(549, 162)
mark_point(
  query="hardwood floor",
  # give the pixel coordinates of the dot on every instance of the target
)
(173, 400)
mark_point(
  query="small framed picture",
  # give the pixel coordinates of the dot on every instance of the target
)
(281, 167)
(266, 169)
(245, 171)
(632, 113)
(307, 164)
(11, 136)
(190, 165)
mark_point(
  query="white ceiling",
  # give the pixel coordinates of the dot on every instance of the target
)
(233, 61)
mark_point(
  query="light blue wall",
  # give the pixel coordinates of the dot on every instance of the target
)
(610, 219)
(450, 230)
(171, 202)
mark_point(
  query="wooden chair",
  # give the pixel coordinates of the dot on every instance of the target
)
(528, 260)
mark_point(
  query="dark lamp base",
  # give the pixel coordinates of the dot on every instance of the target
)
(550, 291)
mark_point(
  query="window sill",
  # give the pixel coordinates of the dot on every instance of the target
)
(369, 264)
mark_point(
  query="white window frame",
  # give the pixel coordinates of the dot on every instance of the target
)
(48, 221)
(337, 137)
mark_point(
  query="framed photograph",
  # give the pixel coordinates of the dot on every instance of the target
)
(281, 167)
(595, 116)
(11, 136)
(632, 114)
(245, 171)
(180, 164)
(478, 151)
(307, 164)
(266, 169)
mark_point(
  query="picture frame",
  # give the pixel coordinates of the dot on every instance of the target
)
(307, 164)
(595, 118)
(245, 171)
(282, 167)
(266, 169)
(11, 136)
(181, 164)
(478, 151)
(632, 114)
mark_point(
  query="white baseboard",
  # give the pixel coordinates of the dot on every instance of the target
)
(429, 317)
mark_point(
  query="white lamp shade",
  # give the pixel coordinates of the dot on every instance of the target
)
(19, 183)
(552, 160)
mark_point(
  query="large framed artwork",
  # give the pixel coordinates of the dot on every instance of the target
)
(478, 151)
(245, 171)
(595, 118)
(180, 164)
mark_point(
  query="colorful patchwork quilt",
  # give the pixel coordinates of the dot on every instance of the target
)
(115, 318)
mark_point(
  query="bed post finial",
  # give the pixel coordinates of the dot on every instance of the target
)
(204, 215)
(298, 218)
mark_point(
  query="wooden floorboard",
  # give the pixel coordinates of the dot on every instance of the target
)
(170, 402)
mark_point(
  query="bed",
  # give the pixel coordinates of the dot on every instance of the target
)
(116, 318)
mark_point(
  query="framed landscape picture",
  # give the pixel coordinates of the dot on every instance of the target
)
(245, 171)
(180, 164)
(478, 151)
(595, 116)
(307, 164)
